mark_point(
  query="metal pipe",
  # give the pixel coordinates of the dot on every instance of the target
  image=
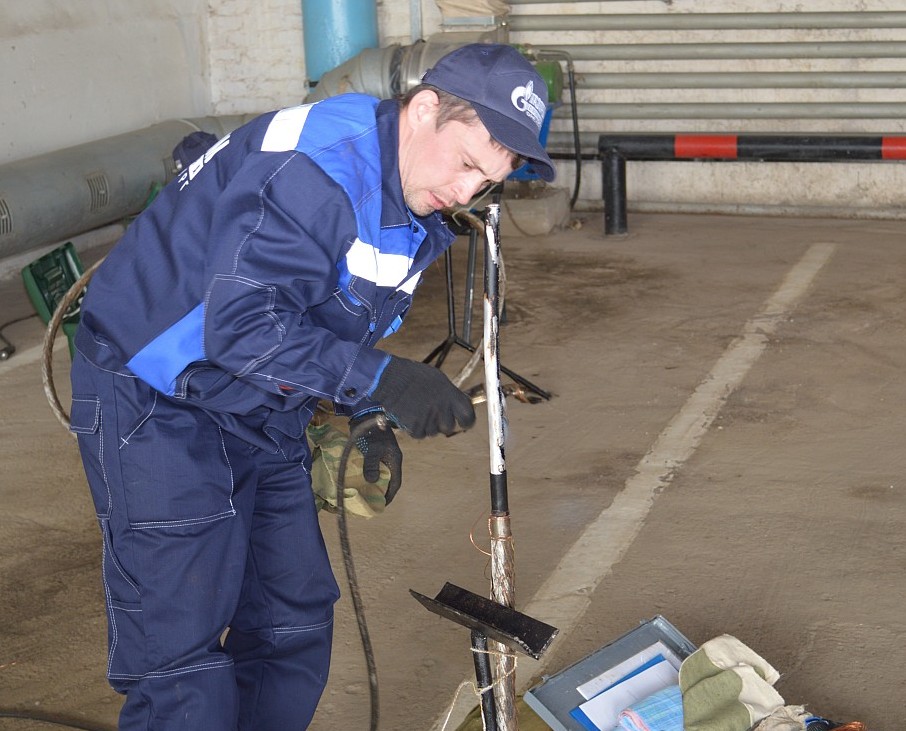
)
(493, 391)
(719, 110)
(747, 80)
(374, 71)
(502, 555)
(616, 149)
(50, 197)
(710, 51)
(707, 21)
(469, 298)
(539, 2)
(565, 141)
(503, 592)
(335, 31)
(415, 19)
(760, 147)
(613, 172)
(385, 72)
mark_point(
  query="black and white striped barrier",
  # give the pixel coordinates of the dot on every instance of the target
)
(614, 150)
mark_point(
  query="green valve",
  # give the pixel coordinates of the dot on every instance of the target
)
(550, 71)
(552, 74)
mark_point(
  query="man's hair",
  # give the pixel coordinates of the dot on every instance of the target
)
(454, 109)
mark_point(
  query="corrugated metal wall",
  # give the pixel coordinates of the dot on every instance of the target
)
(736, 66)
(672, 67)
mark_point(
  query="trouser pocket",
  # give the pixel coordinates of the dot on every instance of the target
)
(175, 469)
(86, 422)
(126, 642)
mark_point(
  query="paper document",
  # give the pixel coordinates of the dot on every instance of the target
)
(603, 681)
(602, 712)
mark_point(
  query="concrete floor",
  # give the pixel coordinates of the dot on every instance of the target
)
(724, 448)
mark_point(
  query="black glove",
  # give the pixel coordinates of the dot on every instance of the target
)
(379, 446)
(421, 399)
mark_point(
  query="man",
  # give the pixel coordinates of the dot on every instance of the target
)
(257, 283)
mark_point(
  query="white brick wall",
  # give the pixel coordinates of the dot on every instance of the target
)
(77, 75)
(255, 57)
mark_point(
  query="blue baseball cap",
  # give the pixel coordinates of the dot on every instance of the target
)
(506, 91)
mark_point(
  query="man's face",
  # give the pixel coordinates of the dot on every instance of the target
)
(445, 167)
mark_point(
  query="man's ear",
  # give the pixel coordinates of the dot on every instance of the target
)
(422, 108)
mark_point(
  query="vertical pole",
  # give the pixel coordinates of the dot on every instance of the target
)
(502, 563)
(613, 183)
(334, 31)
(470, 286)
(451, 310)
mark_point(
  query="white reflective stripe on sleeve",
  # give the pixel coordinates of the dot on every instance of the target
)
(285, 128)
(385, 270)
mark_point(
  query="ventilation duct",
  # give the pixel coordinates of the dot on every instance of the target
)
(393, 70)
(51, 197)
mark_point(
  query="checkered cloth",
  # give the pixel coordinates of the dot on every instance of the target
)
(662, 711)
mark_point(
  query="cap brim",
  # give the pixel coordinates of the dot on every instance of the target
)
(519, 139)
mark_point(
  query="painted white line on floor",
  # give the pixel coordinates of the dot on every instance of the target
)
(564, 598)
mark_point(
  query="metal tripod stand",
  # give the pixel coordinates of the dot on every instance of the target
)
(440, 353)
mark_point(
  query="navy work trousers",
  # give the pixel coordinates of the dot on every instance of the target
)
(203, 533)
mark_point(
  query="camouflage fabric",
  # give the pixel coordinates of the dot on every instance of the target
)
(359, 497)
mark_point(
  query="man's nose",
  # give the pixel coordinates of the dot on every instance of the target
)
(467, 187)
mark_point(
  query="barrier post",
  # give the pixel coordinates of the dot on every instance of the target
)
(613, 171)
(614, 150)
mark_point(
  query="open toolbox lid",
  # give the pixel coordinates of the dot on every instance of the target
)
(556, 695)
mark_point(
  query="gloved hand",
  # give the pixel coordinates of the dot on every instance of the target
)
(421, 399)
(379, 446)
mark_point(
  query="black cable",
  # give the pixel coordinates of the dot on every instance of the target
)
(6, 347)
(51, 719)
(358, 431)
(17, 320)
(482, 662)
(549, 53)
(575, 117)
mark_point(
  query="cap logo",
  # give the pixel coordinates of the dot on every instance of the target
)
(526, 100)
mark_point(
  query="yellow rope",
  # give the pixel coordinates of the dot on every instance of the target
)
(475, 689)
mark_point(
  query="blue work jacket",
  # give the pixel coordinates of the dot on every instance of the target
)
(262, 278)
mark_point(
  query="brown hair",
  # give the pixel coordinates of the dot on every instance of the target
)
(454, 109)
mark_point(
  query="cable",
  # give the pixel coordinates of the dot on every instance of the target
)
(17, 320)
(358, 431)
(6, 347)
(49, 718)
(553, 54)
